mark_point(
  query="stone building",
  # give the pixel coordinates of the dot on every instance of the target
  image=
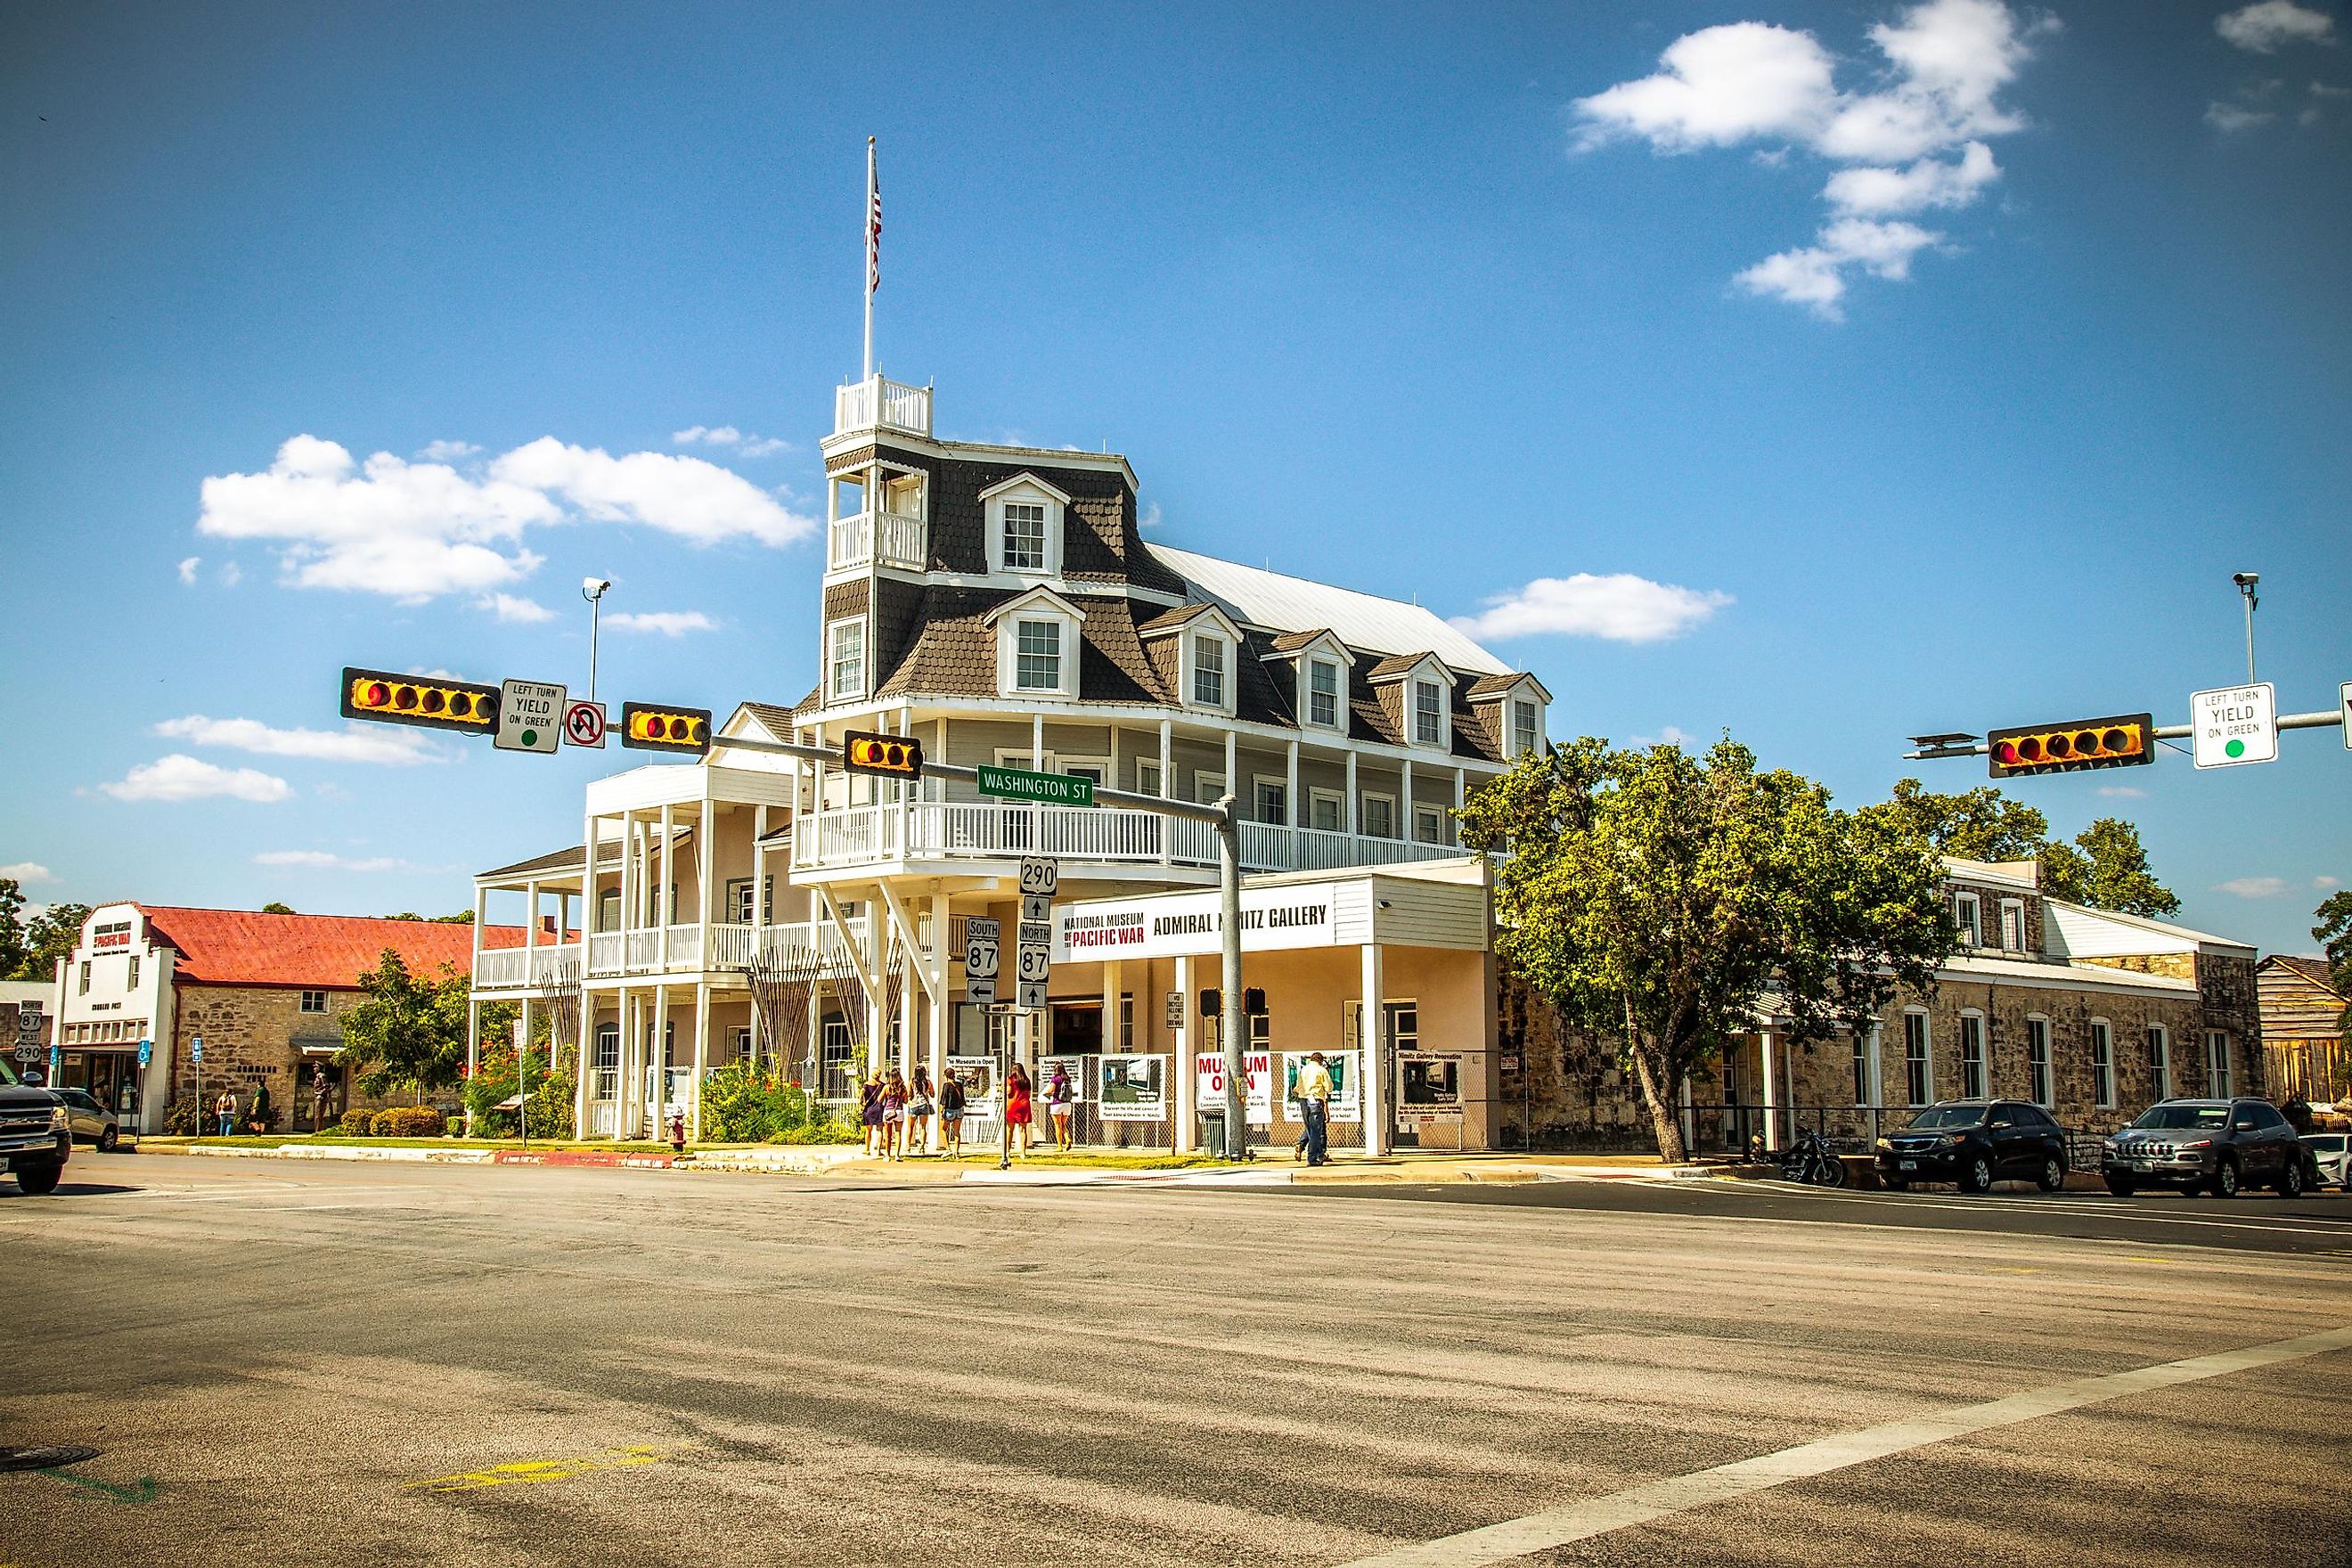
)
(2303, 1029)
(2092, 1015)
(264, 993)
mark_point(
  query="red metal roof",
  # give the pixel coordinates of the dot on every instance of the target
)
(246, 947)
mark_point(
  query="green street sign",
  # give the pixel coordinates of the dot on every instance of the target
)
(1038, 789)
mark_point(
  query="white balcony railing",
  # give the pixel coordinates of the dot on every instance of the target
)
(877, 403)
(956, 830)
(731, 947)
(523, 968)
(878, 538)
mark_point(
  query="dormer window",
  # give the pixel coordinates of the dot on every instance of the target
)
(1037, 646)
(1209, 673)
(1322, 694)
(1428, 713)
(1526, 726)
(1024, 526)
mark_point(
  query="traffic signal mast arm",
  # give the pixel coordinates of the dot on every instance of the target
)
(1215, 817)
(1936, 748)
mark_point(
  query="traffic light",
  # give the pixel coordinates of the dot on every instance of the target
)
(2127, 741)
(884, 756)
(646, 726)
(437, 704)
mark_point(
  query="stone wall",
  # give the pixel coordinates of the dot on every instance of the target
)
(250, 1034)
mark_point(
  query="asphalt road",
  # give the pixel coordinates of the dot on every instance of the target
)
(347, 1363)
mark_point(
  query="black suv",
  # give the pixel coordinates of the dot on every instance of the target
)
(34, 1138)
(2208, 1145)
(1976, 1143)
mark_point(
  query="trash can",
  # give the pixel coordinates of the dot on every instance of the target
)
(1213, 1133)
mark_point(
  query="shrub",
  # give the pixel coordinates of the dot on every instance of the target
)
(185, 1115)
(454, 1128)
(357, 1123)
(551, 1095)
(744, 1104)
(406, 1122)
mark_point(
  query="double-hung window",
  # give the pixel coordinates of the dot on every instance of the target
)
(131, 982)
(1322, 694)
(1379, 816)
(1025, 536)
(2217, 1064)
(2103, 1062)
(1972, 1057)
(2012, 925)
(1428, 714)
(846, 660)
(1208, 670)
(1324, 810)
(1918, 1082)
(1429, 825)
(2159, 1061)
(1862, 1095)
(1273, 802)
(1523, 726)
(1037, 654)
(1966, 916)
(2037, 1060)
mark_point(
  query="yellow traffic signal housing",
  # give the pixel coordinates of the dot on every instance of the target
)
(2128, 741)
(437, 704)
(646, 726)
(883, 756)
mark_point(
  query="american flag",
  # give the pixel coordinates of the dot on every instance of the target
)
(873, 223)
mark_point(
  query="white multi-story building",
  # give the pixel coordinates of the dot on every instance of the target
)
(1002, 605)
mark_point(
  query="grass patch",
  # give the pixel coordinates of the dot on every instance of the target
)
(337, 1141)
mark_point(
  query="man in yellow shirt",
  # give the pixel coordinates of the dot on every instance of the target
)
(1313, 1092)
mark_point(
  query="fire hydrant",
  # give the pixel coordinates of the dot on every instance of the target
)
(677, 1132)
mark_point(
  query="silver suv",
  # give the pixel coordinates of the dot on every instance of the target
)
(2207, 1146)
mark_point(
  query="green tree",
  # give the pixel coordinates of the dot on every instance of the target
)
(277, 908)
(2106, 868)
(1981, 824)
(2333, 932)
(409, 1032)
(12, 927)
(51, 935)
(1655, 899)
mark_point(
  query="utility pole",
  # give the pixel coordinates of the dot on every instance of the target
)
(592, 590)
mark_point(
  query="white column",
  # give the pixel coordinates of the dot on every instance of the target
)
(1037, 741)
(1372, 1035)
(1348, 822)
(1166, 787)
(531, 926)
(473, 1051)
(1404, 803)
(626, 1025)
(705, 866)
(657, 1059)
(587, 1064)
(940, 1013)
(1460, 785)
(1771, 1078)
(482, 914)
(663, 911)
(1291, 812)
(1232, 767)
(628, 921)
(702, 1059)
(1187, 1037)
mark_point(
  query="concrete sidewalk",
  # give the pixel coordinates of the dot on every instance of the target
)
(1410, 1167)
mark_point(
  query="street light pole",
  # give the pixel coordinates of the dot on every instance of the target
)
(592, 590)
(2246, 582)
(1234, 1021)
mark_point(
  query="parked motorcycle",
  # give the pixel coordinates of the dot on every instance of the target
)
(1810, 1161)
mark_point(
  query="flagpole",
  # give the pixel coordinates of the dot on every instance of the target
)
(870, 193)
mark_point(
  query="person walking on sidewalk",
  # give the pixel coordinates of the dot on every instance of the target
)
(870, 1115)
(894, 1116)
(1017, 1112)
(226, 1108)
(951, 1104)
(921, 1104)
(1315, 1108)
(1059, 1099)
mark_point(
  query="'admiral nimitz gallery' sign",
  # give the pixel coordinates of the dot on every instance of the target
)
(1168, 926)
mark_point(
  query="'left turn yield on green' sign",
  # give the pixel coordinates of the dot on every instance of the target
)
(530, 716)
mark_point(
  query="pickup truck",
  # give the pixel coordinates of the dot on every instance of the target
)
(35, 1137)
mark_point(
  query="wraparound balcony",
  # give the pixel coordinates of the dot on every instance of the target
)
(878, 538)
(525, 968)
(614, 953)
(950, 830)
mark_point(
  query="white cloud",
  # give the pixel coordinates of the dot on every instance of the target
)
(188, 570)
(320, 860)
(1671, 735)
(2123, 792)
(1815, 275)
(746, 444)
(1947, 62)
(1620, 608)
(2253, 886)
(2227, 117)
(449, 451)
(178, 777)
(2322, 90)
(409, 530)
(685, 495)
(25, 872)
(2322, 883)
(510, 607)
(2270, 25)
(353, 743)
(231, 574)
(413, 532)
(1873, 192)
(663, 623)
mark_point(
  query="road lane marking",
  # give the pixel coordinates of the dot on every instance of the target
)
(531, 1472)
(1658, 1499)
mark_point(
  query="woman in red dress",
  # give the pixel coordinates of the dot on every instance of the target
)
(1017, 1114)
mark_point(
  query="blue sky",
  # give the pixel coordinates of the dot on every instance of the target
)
(1947, 360)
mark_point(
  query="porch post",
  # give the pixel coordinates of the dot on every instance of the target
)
(473, 1051)
(1372, 1035)
(587, 1062)
(706, 863)
(665, 902)
(1348, 821)
(702, 1059)
(624, 1031)
(1290, 811)
(1771, 1076)
(1460, 787)
(1166, 787)
(530, 929)
(1405, 826)
(939, 1014)
(657, 1059)
(1187, 1037)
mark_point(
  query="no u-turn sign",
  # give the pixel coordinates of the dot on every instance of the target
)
(583, 723)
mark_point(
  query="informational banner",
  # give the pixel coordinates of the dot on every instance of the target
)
(1257, 1071)
(1429, 1087)
(1347, 1089)
(1132, 1087)
(1162, 927)
(978, 1077)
